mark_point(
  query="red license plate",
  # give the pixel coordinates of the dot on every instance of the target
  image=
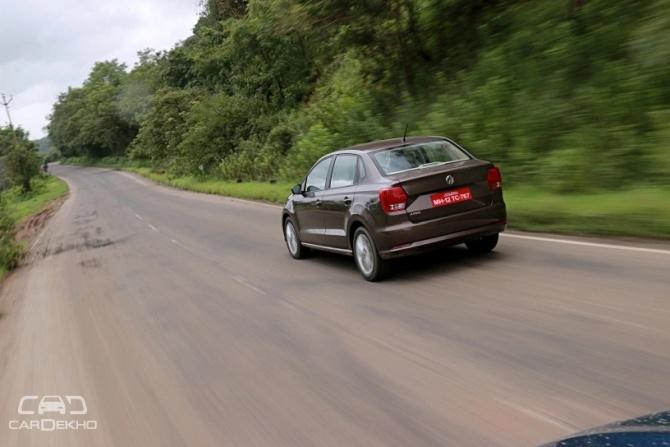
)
(452, 197)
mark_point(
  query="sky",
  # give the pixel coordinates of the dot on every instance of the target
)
(48, 45)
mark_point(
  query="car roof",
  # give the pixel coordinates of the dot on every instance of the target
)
(390, 143)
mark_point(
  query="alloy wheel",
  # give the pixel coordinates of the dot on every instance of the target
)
(365, 256)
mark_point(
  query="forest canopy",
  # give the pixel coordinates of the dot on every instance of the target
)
(571, 95)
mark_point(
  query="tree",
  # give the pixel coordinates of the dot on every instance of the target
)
(215, 10)
(87, 120)
(216, 126)
(535, 86)
(9, 136)
(23, 164)
(65, 122)
(20, 156)
(267, 61)
(139, 86)
(164, 126)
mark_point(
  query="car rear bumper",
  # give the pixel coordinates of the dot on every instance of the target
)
(411, 238)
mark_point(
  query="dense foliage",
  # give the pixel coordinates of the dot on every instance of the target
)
(19, 161)
(9, 250)
(19, 164)
(572, 95)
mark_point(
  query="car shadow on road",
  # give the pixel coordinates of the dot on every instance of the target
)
(445, 261)
(442, 261)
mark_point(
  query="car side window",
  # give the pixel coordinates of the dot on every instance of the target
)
(344, 171)
(361, 170)
(316, 179)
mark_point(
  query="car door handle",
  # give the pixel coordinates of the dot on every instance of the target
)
(347, 201)
(317, 202)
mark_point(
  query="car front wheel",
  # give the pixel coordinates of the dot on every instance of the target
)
(483, 244)
(368, 261)
(292, 238)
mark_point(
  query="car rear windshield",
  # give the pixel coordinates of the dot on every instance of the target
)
(418, 156)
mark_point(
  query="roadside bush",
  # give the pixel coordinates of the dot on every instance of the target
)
(251, 162)
(22, 164)
(256, 161)
(19, 159)
(10, 252)
(216, 127)
(164, 126)
(564, 170)
(658, 147)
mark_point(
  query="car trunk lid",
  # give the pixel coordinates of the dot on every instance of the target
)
(447, 189)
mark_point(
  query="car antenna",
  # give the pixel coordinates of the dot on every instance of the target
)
(404, 136)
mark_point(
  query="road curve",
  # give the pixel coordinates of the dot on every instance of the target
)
(182, 320)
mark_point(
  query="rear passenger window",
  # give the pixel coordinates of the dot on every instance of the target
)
(344, 171)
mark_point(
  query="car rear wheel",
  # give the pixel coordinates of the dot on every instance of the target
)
(483, 244)
(292, 238)
(368, 261)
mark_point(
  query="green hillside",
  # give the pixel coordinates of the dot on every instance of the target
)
(569, 96)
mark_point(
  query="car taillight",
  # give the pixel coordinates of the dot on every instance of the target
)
(393, 199)
(494, 178)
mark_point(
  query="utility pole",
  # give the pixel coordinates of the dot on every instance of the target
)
(6, 100)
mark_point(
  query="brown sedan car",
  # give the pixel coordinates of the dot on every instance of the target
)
(393, 198)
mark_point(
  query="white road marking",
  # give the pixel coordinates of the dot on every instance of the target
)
(180, 245)
(153, 228)
(588, 244)
(614, 320)
(235, 278)
(139, 217)
(244, 282)
(569, 428)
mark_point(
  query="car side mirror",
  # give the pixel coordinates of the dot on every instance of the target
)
(297, 189)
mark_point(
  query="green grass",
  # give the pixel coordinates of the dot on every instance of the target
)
(637, 212)
(21, 206)
(268, 192)
(632, 213)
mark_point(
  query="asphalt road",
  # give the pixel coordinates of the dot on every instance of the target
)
(181, 320)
